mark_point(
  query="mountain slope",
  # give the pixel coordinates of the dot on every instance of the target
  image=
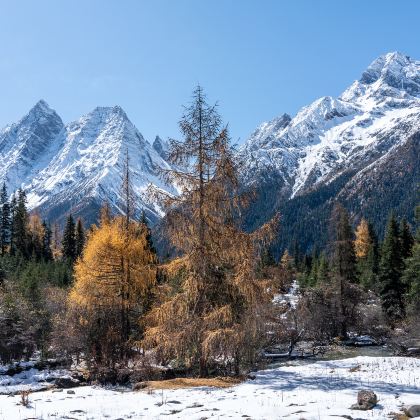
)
(335, 149)
(78, 166)
(27, 146)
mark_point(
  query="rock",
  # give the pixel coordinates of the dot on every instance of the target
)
(412, 411)
(366, 400)
(139, 385)
(66, 382)
(251, 376)
(70, 392)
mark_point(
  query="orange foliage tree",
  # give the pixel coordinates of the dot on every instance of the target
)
(112, 280)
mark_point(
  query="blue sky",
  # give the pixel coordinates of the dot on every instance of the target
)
(258, 58)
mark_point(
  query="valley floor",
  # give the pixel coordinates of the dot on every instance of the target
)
(320, 390)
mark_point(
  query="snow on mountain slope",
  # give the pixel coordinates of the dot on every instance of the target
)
(27, 146)
(70, 167)
(90, 163)
(79, 165)
(374, 115)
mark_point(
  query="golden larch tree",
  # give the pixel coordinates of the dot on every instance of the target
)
(112, 279)
(363, 241)
(208, 315)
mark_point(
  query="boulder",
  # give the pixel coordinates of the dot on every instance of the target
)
(66, 382)
(366, 400)
(412, 411)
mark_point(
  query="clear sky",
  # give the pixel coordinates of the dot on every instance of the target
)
(258, 58)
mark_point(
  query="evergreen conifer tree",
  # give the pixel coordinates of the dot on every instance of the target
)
(343, 261)
(69, 240)
(19, 241)
(411, 275)
(406, 238)
(46, 251)
(80, 238)
(5, 220)
(392, 288)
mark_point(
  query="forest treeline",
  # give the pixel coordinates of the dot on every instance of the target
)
(102, 296)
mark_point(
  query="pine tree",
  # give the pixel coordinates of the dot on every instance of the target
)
(5, 220)
(392, 288)
(69, 240)
(406, 239)
(343, 261)
(13, 206)
(79, 238)
(267, 258)
(46, 251)
(323, 275)
(19, 240)
(411, 274)
(35, 237)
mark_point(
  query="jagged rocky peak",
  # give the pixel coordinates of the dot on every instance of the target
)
(25, 145)
(393, 75)
(161, 146)
(390, 67)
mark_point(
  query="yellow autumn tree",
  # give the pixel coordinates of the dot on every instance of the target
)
(286, 260)
(112, 280)
(209, 313)
(363, 241)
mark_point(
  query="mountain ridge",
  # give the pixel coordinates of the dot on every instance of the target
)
(337, 143)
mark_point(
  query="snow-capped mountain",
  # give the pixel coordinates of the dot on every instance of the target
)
(362, 149)
(353, 148)
(29, 145)
(79, 165)
(375, 114)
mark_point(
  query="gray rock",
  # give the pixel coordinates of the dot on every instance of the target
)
(70, 392)
(366, 400)
(66, 382)
(412, 411)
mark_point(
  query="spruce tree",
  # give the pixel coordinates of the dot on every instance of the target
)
(406, 239)
(343, 261)
(19, 239)
(411, 275)
(80, 238)
(392, 288)
(13, 206)
(69, 240)
(46, 251)
(267, 259)
(5, 220)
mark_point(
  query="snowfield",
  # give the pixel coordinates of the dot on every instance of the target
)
(320, 390)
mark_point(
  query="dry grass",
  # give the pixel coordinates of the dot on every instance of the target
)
(178, 383)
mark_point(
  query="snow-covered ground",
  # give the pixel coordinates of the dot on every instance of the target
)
(322, 390)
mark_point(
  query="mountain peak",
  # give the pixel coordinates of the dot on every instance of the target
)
(393, 63)
(41, 108)
(161, 147)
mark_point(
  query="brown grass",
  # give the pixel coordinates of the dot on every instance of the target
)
(178, 383)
